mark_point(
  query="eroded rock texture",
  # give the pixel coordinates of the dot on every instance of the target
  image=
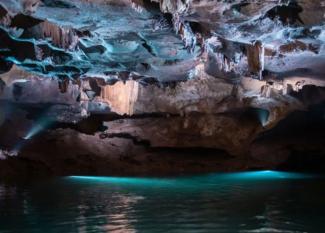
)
(159, 86)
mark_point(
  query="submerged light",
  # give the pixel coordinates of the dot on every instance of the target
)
(124, 180)
(267, 174)
(192, 180)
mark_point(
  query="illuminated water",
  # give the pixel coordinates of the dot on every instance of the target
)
(239, 202)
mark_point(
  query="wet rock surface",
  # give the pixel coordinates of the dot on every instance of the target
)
(139, 87)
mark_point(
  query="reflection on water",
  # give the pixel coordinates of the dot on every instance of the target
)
(239, 202)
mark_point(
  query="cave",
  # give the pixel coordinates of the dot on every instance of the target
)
(210, 111)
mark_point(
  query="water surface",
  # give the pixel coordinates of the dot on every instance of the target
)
(238, 202)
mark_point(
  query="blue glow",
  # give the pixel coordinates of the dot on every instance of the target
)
(41, 124)
(263, 116)
(124, 180)
(13, 60)
(189, 180)
(36, 129)
(268, 174)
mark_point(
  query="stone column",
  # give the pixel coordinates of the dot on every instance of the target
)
(255, 58)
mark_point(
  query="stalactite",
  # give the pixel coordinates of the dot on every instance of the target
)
(121, 96)
(255, 56)
(62, 37)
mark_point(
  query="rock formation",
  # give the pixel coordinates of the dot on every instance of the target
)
(158, 86)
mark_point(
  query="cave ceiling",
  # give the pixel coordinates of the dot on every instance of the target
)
(72, 39)
(73, 55)
(163, 40)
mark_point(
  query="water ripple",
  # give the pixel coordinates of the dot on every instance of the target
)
(213, 203)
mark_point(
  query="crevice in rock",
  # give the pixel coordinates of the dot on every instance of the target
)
(58, 4)
(135, 140)
(287, 13)
(192, 151)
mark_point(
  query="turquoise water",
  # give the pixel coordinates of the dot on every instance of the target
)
(238, 202)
